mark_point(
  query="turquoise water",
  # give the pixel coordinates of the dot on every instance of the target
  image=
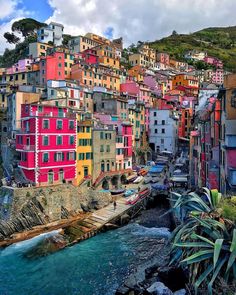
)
(94, 267)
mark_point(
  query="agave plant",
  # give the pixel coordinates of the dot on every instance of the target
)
(205, 242)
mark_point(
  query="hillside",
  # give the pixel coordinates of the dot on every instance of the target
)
(218, 42)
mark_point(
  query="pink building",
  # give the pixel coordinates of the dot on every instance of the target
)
(21, 66)
(163, 58)
(151, 82)
(52, 67)
(213, 61)
(218, 77)
(47, 144)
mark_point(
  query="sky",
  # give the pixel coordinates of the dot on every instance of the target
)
(134, 20)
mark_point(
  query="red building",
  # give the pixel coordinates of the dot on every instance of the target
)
(47, 144)
(90, 56)
(52, 67)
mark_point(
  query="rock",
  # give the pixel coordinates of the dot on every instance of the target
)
(172, 277)
(180, 292)
(159, 288)
(125, 218)
(123, 291)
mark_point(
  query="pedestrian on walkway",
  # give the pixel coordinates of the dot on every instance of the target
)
(114, 204)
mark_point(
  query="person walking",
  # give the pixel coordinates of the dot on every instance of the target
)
(114, 204)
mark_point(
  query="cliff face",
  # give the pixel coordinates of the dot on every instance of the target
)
(37, 206)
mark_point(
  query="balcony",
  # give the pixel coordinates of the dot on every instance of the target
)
(23, 147)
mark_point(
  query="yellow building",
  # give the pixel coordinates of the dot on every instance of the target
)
(107, 55)
(84, 148)
(38, 49)
(97, 38)
(137, 119)
(141, 59)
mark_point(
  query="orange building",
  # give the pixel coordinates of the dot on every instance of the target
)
(185, 80)
(137, 72)
(95, 75)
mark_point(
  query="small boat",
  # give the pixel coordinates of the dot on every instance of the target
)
(138, 179)
(144, 192)
(117, 191)
(131, 178)
(132, 199)
(147, 179)
(129, 192)
(155, 179)
(143, 172)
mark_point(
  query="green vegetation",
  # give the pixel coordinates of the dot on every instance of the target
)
(205, 242)
(218, 42)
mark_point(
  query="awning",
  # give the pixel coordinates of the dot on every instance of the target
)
(156, 169)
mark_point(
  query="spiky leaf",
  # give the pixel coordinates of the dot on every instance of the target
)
(217, 249)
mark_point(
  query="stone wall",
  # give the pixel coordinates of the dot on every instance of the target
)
(35, 206)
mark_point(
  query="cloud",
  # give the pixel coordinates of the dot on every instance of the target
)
(141, 19)
(9, 13)
(7, 8)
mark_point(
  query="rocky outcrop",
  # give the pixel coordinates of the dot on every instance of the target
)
(38, 206)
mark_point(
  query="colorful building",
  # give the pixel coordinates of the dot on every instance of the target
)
(47, 144)
(84, 154)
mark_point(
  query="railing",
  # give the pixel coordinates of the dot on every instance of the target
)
(27, 147)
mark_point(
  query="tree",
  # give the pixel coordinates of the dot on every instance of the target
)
(11, 38)
(66, 39)
(27, 26)
(174, 33)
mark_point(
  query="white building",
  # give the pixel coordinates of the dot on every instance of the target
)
(53, 33)
(163, 130)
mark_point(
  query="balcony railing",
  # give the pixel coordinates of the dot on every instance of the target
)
(25, 147)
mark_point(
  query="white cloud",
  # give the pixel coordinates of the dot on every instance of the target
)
(142, 19)
(10, 11)
(7, 8)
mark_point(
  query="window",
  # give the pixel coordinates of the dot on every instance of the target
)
(163, 122)
(101, 135)
(45, 157)
(45, 140)
(52, 92)
(59, 140)
(102, 148)
(108, 148)
(155, 123)
(72, 139)
(59, 65)
(71, 125)
(71, 156)
(40, 109)
(45, 124)
(155, 114)
(59, 124)
(88, 129)
(60, 113)
(89, 156)
(162, 141)
(23, 157)
(108, 135)
(155, 130)
(81, 156)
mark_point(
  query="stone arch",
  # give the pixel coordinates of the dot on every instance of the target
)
(123, 179)
(115, 180)
(105, 184)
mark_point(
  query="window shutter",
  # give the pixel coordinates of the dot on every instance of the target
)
(55, 157)
(67, 157)
(63, 156)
